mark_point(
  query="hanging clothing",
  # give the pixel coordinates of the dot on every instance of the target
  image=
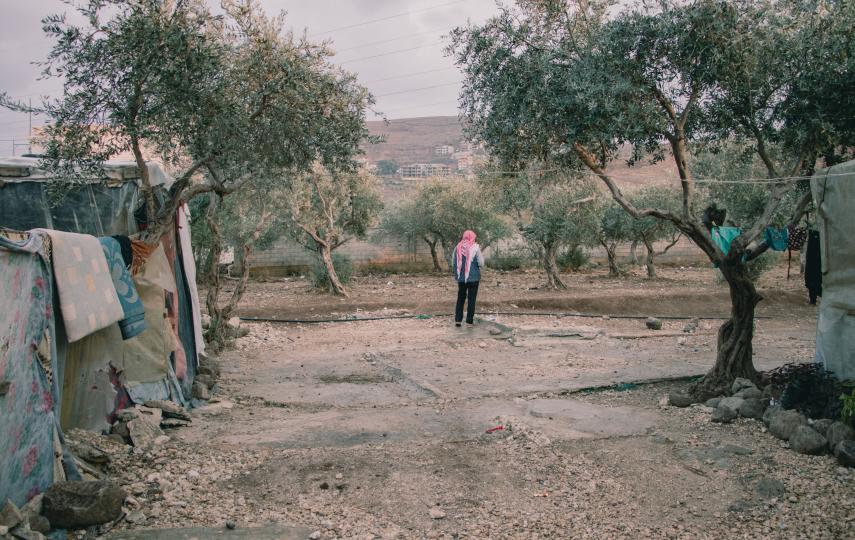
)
(777, 239)
(796, 237)
(724, 236)
(133, 322)
(88, 299)
(813, 267)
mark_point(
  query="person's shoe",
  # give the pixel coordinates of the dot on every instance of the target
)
(470, 325)
(457, 324)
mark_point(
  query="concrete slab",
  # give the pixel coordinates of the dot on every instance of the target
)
(555, 418)
(268, 532)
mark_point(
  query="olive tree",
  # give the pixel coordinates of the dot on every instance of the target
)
(439, 213)
(615, 228)
(649, 230)
(570, 83)
(550, 211)
(327, 208)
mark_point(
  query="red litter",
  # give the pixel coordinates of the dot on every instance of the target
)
(497, 428)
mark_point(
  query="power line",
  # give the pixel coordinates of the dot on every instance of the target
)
(390, 53)
(410, 75)
(418, 89)
(393, 39)
(389, 17)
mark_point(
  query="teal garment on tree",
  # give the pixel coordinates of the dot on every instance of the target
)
(777, 239)
(724, 236)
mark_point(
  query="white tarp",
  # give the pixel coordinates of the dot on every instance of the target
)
(834, 194)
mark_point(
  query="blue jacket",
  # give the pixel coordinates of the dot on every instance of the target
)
(474, 268)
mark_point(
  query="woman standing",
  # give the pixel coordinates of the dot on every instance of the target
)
(466, 265)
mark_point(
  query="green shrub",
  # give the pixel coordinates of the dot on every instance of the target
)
(504, 262)
(321, 280)
(762, 264)
(572, 259)
(848, 407)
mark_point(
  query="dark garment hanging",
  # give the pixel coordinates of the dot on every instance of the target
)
(127, 251)
(813, 267)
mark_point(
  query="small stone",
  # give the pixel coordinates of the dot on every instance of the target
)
(805, 440)
(691, 326)
(327, 524)
(136, 517)
(200, 391)
(206, 321)
(653, 323)
(495, 332)
(739, 384)
(753, 408)
(749, 393)
(315, 535)
(339, 476)
(4, 530)
(231, 525)
(23, 533)
(482, 344)
(193, 475)
(233, 323)
(680, 399)
(713, 402)
(838, 432)
(126, 415)
(324, 485)
(10, 515)
(436, 513)
(161, 439)
(784, 423)
(171, 423)
(207, 380)
(845, 453)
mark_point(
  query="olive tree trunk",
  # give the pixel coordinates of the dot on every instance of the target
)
(649, 260)
(550, 266)
(434, 255)
(611, 255)
(633, 255)
(336, 286)
(735, 353)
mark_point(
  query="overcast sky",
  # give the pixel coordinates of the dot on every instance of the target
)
(395, 46)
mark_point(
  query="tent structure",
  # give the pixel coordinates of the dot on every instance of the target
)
(81, 334)
(834, 195)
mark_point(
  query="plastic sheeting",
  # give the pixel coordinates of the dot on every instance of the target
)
(27, 421)
(834, 195)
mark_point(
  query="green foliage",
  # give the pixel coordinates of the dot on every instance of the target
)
(505, 263)
(387, 167)
(319, 277)
(573, 258)
(762, 264)
(441, 211)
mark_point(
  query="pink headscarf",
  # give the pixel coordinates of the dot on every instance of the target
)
(464, 249)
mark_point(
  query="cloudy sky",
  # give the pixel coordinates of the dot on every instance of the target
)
(395, 46)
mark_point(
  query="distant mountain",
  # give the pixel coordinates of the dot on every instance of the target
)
(413, 140)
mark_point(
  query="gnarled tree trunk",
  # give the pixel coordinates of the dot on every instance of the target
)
(611, 255)
(649, 260)
(434, 255)
(735, 353)
(633, 255)
(336, 286)
(550, 266)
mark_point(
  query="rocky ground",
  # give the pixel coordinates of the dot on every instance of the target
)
(524, 427)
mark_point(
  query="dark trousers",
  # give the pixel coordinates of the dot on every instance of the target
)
(465, 290)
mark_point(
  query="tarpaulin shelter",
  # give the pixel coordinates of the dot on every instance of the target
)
(65, 362)
(834, 195)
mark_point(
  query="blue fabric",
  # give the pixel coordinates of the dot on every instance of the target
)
(474, 270)
(134, 322)
(777, 239)
(724, 236)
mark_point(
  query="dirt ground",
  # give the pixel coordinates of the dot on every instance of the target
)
(526, 426)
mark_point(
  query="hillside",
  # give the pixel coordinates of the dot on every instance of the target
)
(412, 140)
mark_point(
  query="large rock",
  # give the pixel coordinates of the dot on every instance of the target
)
(753, 408)
(784, 423)
(143, 431)
(731, 403)
(724, 415)
(77, 505)
(713, 402)
(680, 399)
(749, 393)
(821, 426)
(740, 384)
(10, 515)
(805, 440)
(771, 411)
(653, 323)
(838, 432)
(207, 380)
(170, 409)
(200, 391)
(845, 453)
